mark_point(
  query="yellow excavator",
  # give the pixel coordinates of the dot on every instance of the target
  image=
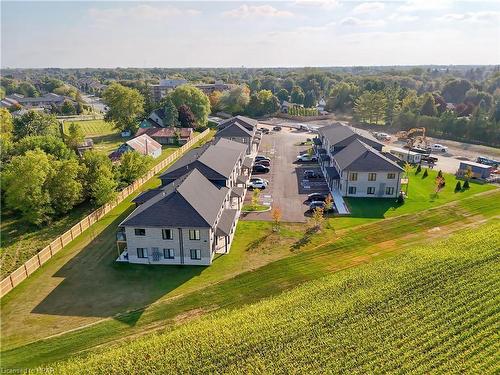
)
(414, 137)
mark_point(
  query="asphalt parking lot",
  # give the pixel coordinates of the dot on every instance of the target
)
(287, 188)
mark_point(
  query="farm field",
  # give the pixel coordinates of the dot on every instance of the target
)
(75, 290)
(432, 309)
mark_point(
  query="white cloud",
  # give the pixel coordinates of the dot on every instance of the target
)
(356, 22)
(368, 8)
(478, 17)
(326, 4)
(424, 5)
(247, 11)
(402, 17)
(139, 12)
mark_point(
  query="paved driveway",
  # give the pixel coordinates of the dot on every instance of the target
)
(287, 188)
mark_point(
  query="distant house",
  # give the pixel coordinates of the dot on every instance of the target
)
(240, 129)
(143, 144)
(285, 106)
(45, 101)
(168, 136)
(354, 164)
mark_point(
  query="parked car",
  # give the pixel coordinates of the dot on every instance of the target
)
(261, 157)
(382, 136)
(257, 185)
(316, 197)
(260, 169)
(307, 158)
(264, 130)
(310, 174)
(263, 162)
(439, 147)
(277, 128)
(258, 179)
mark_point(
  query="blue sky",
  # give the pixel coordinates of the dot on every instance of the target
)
(252, 34)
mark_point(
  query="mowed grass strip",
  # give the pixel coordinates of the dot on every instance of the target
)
(431, 309)
(316, 257)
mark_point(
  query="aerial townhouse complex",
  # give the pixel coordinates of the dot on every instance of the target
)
(192, 216)
(355, 164)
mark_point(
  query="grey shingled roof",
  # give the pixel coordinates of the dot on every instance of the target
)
(190, 201)
(247, 122)
(234, 129)
(226, 222)
(340, 136)
(214, 161)
(358, 156)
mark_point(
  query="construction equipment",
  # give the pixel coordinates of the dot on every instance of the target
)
(414, 137)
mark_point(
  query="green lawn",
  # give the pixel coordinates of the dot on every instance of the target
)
(421, 196)
(106, 138)
(256, 208)
(433, 309)
(83, 285)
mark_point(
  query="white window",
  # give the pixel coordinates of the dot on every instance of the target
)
(370, 190)
(389, 191)
(372, 176)
(167, 234)
(142, 252)
(353, 177)
(352, 189)
(140, 232)
(168, 253)
(195, 254)
(194, 234)
(391, 176)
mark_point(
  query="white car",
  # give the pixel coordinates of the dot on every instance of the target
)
(259, 179)
(439, 147)
(257, 185)
(306, 158)
(383, 136)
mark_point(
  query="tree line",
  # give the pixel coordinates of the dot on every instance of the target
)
(42, 176)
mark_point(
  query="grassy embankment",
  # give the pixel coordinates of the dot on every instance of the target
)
(433, 309)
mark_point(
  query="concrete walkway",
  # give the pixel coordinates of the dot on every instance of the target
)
(339, 202)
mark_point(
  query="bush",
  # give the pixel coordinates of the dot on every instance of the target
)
(419, 169)
(426, 173)
(466, 185)
(440, 173)
(458, 186)
(401, 199)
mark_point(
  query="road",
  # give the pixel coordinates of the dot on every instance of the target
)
(447, 162)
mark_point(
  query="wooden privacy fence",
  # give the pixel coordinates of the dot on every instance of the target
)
(20, 274)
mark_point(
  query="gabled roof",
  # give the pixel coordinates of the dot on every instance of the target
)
(190, 201)
(234, 129)
(226, 222)
(144, 144)
(214, 161)
(247, 122)
(160, 112)
(166, 132)
(358, 156)
(339, 135)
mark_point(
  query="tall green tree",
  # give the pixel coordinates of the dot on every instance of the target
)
(68, 108)
(171, 113)
(195, 99)
(370, 107)
(24, 181)
(74, 136)
(35, 123)
(6, 124)
(125, 104)
(99, 179)
(310, 99)
(454, 90)
(134, 165)
(297, 95)
(64, 185)
(236, 100)
(283, 95)
(48, 143)
(428, 105)
(393, 104)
